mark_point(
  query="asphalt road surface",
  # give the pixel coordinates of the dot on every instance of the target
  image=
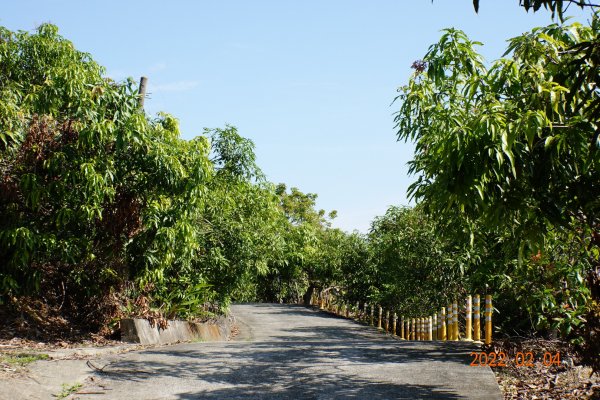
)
(286, 352)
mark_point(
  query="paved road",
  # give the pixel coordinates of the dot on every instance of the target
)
(291, 352)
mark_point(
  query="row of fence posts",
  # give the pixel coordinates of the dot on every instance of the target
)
(439, 326)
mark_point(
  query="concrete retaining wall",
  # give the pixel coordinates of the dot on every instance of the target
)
(137, 330)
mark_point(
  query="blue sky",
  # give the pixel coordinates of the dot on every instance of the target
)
(310, 82)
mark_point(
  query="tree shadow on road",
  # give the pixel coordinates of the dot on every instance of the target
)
(323, 361)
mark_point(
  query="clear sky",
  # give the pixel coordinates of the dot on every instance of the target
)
(310, 82)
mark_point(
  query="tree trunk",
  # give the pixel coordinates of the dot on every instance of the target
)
(308, 295)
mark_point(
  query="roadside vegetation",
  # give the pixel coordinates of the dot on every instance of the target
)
(106, 212)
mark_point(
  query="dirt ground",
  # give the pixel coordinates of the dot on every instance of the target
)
(543, 369)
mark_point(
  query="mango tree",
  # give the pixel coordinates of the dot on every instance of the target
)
(513, 146)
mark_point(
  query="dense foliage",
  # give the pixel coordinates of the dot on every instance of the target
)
(106, 211)
(511, 152)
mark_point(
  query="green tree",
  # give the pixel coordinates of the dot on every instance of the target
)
(417, 269)
(512, 145)
(555, 6)
(93, 193)
(240, 221)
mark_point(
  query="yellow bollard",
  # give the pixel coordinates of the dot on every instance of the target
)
(434, 324)
(372, 312)
(379, 319)
(488, 319)
(394, 324)
(455, 321)
(443, 323)
(476, 317)
(430, 328)
(421, 329)
(387, 321)
(416, 329)
(413, 332)
(439, 325)
(449, 322)
(469, 320)
(402, 327)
